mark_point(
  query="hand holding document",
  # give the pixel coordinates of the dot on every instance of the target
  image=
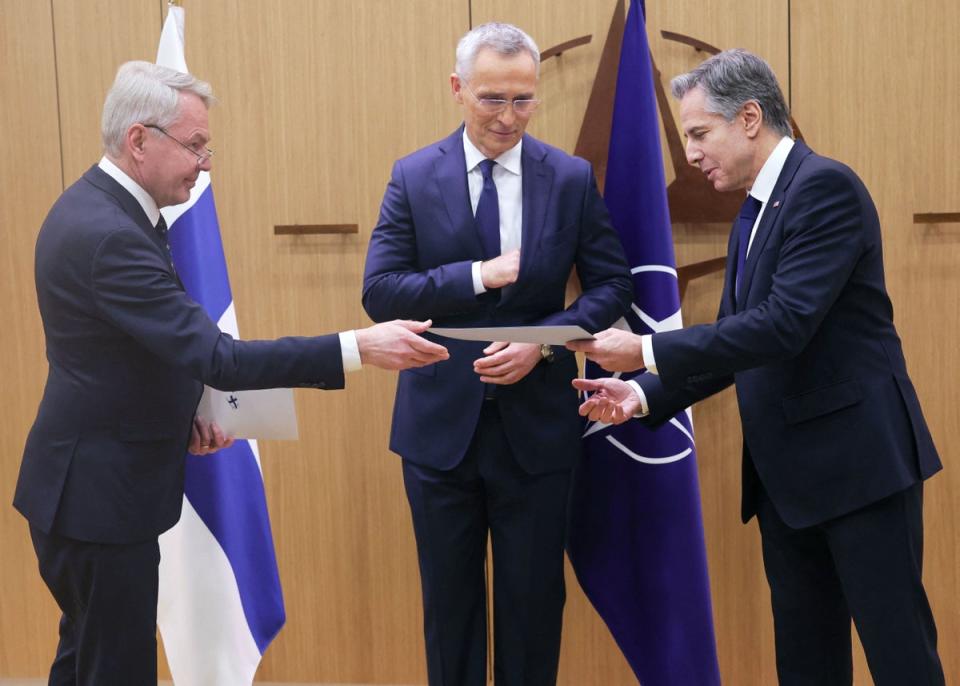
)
(267, 414)
(549, 335)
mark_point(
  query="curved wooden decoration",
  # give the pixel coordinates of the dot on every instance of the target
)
(558, 50)
(697, 45)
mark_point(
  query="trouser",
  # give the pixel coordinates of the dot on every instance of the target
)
(865, 565)
(108, 597)
(525, 517)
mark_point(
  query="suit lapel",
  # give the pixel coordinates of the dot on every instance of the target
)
(450, 170)
(99, 178)
(770, 213)
(537, 181)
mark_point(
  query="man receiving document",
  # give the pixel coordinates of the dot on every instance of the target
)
(482, 229)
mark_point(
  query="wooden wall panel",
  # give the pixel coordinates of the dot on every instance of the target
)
(93, 39)
(880, 94)
(316, 102)
(29, 183)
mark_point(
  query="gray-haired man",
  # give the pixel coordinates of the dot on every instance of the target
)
(129, 352)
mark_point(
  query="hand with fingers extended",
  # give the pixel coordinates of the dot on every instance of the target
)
(615, 350)
(206, 437)
(507, 363)
(398, 345)
(612, 401)
(500, 271)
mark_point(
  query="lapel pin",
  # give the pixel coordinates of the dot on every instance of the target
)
(776, 203)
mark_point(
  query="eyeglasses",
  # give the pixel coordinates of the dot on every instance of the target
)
(521, 106)
(202, 153)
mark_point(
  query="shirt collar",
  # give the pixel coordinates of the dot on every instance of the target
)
(770, 171)
(148, 204)
(509, 160)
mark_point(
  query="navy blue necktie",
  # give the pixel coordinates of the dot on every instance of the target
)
(749, 211)
(488, 213)
(161, 229)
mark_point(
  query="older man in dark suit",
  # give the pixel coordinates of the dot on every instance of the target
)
(129, 352)
(835, 444)
(482, 229)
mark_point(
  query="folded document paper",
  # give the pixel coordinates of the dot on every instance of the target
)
(551, 335)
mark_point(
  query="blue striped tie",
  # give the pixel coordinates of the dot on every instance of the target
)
(749, 212)
(488, 213)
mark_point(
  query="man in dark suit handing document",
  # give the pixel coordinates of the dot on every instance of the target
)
(835, 446)
(129, 351)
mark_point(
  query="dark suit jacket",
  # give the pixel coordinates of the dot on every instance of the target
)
(128, 350)
(831, 421)
(419, 266)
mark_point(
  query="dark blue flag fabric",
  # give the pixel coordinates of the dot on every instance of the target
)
(636, 533)
(220, 601)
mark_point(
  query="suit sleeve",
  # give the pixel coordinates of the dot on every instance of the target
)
(607, 288)
(823, 241)
(394, 286)
(663, 403)
(134, 291)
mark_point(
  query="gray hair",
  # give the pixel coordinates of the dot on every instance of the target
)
(504, 39)
(732, 78)
(145, 93)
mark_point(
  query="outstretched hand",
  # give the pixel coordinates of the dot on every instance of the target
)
(398, 345)
(613, 401)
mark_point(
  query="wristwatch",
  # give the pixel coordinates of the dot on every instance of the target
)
(546, 352)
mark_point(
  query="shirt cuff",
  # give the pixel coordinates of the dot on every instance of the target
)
(646, 343)
(350, 351)
(644, 408)
(478, 287)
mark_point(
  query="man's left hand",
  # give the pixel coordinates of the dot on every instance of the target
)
(206, 437)
(507, 363)
(615, 350)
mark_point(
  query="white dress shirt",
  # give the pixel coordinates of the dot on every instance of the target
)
(761, 190)
(349, 349)
(508, 178)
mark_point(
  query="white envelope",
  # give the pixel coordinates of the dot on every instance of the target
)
(266, 414)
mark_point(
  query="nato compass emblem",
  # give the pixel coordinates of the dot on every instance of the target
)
(672, 441)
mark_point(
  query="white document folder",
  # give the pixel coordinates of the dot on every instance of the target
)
(267, 414)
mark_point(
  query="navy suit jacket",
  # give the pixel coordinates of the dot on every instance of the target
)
(127, 352)
(419, 266)
(831, 421)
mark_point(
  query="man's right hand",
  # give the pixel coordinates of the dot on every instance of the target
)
(397, 345)
(500, 271)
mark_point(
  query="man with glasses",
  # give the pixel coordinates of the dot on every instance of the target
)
(129, 352)
(483, 229)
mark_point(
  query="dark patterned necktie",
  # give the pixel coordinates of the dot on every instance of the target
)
(488, 212)
(749, 212)
(161, 229)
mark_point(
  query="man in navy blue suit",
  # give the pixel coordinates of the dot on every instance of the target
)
(835, 446)
(129, 352)
(482, 229)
